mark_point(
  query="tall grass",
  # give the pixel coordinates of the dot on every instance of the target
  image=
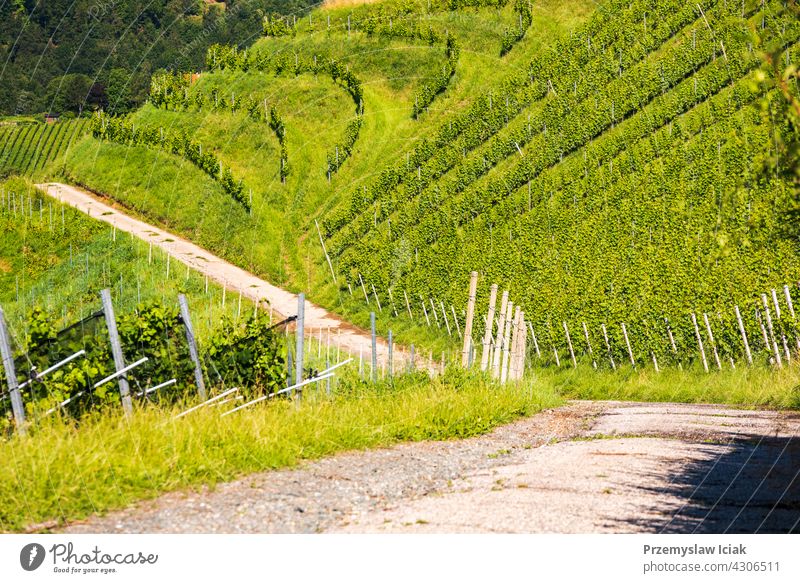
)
(63, 472)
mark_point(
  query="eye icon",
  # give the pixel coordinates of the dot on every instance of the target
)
(31, 556)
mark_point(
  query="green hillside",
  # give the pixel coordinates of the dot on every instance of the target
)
(604, 163)
(29, 148)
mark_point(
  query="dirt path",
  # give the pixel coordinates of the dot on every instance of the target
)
(586, 467)
(348, 337)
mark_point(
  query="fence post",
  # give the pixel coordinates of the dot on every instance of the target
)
(487, 336)
(473, 289)
(11, 375)
(711, 339)
(589, 345)
(699, 341)
(390, 354)
(374, 347)
(535, 342)
(771, 331)
(300, 339)
(507, 342)
(608, 347)
(628, 344)
(791, 310)
(444, 315)
(744, 336)
(116, 350)
(569, 343)
(498, 342)
(193, 352)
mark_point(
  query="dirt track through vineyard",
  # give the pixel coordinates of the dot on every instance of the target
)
(348, 337)
(585, 467)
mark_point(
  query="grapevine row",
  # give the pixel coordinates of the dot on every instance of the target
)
(122, 131)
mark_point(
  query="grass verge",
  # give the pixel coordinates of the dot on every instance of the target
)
(61, 472)
(744, 387)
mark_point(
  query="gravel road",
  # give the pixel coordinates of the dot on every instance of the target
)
(350, 338)
(585, 467)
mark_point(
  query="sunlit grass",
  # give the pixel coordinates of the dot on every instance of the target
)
(62, 472)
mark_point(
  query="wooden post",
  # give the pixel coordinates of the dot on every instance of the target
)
(589, 344)
(116, 350)
(11, 375)
(771, 331)
(790, 305)
(193, 352)
(628, 344)
(569, 344)
(435, 317)
(391, 300)
(377, 301)
(487, 335)
(535, 343)
(775, 302)
(778, 316)
(498, 343)
(300, 338)
(408, 305)
(512, 367)
(655, 362)
(324, 250)
(699, 342)
(390, 355)
(506, 339)
(364, 289)
(523, 350)
(374, 347)
(672, 342)
(473, 289)
(744, 336)
(711, 340)
(444, 314)
(424, 311)
(764, 335)
(455, 319)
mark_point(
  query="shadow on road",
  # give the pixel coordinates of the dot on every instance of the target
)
(750, 486)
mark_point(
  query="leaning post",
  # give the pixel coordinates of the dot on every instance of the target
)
(116, 350)
(192, 342)
(11, 375)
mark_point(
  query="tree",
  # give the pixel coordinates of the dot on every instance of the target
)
(68, 93)
(118, 91)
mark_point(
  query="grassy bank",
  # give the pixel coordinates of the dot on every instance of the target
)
(746, 387)
(62, 473)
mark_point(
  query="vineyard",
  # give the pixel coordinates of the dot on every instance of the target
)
(29, 148)
(617, 184)
(371, 222)
(604, 165)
